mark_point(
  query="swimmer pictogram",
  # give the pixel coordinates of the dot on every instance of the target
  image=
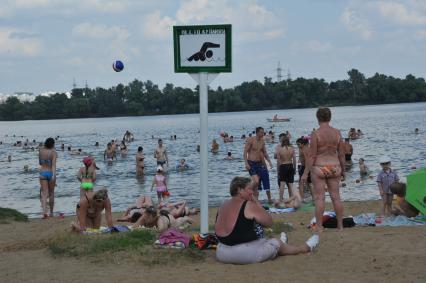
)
(204, 53)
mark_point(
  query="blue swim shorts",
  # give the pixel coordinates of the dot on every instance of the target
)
(260, 169)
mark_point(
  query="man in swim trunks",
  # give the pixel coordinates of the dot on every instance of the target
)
(161, 154)
(254, 157)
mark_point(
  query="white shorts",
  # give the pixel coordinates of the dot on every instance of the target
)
(246, 253)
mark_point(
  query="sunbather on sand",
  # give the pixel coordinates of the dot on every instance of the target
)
(162, 220)
(134, 212)
(295, 201)
(179, 209)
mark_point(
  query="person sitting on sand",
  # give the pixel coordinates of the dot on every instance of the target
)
(89, 211)
(239, 229)
(87, 176)
(295, 201)
(162, 220)
(403, 207)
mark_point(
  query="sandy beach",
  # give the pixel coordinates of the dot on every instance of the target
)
(358, 254)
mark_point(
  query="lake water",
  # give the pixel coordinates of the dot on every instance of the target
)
(388, 129)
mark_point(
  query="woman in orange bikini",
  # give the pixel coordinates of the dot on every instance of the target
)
(327, 163)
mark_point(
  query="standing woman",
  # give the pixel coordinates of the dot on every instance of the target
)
(47, 160)
(327, 164)
(86, 175)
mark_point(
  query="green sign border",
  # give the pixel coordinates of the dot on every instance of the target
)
(228, 50)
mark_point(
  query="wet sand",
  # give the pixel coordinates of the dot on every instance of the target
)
(358, 254)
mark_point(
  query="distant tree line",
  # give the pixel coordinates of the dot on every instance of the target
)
(145, 98)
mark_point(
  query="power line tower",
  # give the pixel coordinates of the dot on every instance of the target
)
(279, 75)
(74, 84)
(288, 75)
(86, 86)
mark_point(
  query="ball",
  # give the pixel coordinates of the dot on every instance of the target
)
(118, 66)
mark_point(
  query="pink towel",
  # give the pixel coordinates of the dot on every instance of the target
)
(173, 235)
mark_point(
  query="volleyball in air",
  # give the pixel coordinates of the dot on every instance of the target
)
(118, 66)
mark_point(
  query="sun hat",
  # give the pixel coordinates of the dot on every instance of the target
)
(384, 159)
(87, 161)
(159, 168)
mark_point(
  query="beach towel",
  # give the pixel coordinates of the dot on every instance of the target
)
(365, 219)
(281, 210)
(175, 245)
(107, 230)
(205, 240)
(400, 220)
(173, 235)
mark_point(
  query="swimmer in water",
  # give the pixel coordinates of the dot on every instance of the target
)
(140, 165)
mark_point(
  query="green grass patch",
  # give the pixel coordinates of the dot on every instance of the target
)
(134, 246)
(8, 214)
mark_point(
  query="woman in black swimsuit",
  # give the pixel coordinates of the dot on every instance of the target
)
(239, 228)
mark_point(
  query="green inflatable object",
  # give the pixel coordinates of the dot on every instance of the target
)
(416, 190)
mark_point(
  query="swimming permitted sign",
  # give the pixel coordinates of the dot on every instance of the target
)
(205, 48)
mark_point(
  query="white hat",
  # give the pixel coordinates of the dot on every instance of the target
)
(384, 159)
(159, 168)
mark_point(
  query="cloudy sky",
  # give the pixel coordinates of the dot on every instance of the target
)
(44, 44)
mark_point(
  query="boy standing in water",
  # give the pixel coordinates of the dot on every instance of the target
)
(385, 179)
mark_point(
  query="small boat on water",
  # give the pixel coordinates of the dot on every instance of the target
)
(278, 119)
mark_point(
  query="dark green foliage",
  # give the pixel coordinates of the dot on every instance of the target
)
(7, 214)
(145, 98)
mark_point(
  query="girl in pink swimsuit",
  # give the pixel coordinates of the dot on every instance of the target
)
(160, 183)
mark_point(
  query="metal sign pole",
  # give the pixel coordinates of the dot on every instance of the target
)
(204, 129)
(204, 79)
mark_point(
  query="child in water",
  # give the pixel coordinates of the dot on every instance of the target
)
(160, 183)
(385, 179)
(363, 169)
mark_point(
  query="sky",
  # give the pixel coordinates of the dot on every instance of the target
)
(46, 44)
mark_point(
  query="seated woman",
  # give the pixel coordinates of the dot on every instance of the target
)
(134, 212)
(162, 220)
(89, 211)
(239, 229)
(403, 207)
